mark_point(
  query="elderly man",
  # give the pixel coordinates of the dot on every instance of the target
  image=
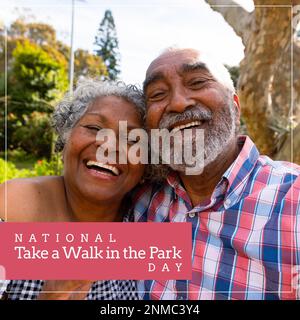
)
(243, 207)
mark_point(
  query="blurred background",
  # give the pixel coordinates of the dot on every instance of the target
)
(46, 46)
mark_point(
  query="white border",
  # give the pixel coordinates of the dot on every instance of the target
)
(137, 5)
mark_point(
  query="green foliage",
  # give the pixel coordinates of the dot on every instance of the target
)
(20, 158)
(107, 41)
(54, 167)
(8, 170)
(39, 76)
(88, 65)
(2, 85)
(44, 36)
(35, 80)
(35, 136)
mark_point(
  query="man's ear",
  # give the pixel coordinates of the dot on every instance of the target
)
(236, 102)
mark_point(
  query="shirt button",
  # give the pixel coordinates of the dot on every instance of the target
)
(192, 215)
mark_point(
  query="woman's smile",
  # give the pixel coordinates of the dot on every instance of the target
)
(102, 171)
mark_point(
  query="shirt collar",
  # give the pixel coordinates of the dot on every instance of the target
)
(235, 176)
(243, 165)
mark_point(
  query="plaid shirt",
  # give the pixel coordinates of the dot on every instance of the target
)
(246, 239)
(100, 290)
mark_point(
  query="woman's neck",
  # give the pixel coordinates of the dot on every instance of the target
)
(85, 210)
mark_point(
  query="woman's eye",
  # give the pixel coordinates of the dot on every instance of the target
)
(93, 128)
(132, 141)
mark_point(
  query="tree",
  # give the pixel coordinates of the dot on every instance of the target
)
(88, 65)
(37, 78)
(39, 33)
(44, 36)
(265, 81)
(36, 81)
(107, 41)
(36, 74)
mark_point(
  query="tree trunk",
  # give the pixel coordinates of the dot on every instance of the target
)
(269, 85)
(291, 145)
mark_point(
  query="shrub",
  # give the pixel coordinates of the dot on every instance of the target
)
(35, 137)
(9, 171)
(49, 168)
(42, 167)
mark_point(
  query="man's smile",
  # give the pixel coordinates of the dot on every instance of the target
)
(180, 126)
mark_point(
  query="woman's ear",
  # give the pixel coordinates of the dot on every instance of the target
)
(63, 155)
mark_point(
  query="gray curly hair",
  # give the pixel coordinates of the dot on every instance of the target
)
(70, 110)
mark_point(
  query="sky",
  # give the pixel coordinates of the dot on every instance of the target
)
(144, 27)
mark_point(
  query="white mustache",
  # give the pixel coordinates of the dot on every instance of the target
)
(193, 114)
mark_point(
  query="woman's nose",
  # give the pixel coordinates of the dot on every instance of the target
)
(107, 146)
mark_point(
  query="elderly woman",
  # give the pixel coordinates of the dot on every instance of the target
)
(88, 190)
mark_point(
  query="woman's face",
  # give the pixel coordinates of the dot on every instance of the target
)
(83, 174)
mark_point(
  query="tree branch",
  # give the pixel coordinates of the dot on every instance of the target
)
(236, 16)
(276, 2)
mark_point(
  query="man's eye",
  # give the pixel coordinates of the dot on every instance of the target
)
(197, 82)
(156, 96)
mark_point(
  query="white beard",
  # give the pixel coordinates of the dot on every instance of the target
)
(217, 137)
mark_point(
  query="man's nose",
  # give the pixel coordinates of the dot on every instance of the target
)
(180, 100)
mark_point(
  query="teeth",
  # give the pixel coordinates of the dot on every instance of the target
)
(105, 166)
(188, 125)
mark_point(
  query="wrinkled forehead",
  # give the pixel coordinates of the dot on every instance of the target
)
(179, 61)
(173, 58)
(185, 60)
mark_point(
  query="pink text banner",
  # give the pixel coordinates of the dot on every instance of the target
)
(95, 251)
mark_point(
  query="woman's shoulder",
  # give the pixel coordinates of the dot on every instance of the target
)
(26, 199)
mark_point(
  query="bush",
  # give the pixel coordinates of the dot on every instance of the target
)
(35, 137)
(19, 158)
(49, 168)
(8, 170)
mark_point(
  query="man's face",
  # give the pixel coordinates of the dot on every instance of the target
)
(182, 93)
